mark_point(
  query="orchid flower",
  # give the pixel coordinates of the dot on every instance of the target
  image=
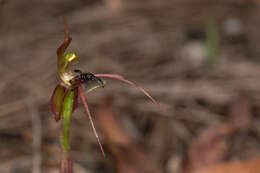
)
(64, 99)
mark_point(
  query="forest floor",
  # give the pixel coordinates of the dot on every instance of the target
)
(198, 58)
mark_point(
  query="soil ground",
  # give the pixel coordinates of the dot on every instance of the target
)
(164, 46)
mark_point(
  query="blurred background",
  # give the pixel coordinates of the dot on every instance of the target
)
(198, 58)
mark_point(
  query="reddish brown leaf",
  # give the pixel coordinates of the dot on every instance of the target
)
(211, 145)
(250, 166)
(129, 157)
(240, 115)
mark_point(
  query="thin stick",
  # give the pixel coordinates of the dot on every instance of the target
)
(37, 135)
(85, 103)
(121, 78)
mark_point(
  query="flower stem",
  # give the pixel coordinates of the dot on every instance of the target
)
(66, 115)
(66, 161)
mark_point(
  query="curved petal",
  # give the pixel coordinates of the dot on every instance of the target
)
(121, 78)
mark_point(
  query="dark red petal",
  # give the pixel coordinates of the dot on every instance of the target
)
(57, 101)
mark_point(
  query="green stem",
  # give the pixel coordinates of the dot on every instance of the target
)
(66, 115)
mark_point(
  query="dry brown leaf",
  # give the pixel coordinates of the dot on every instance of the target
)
(240, 115)
(211, 145)
(129, 157)
(251, 166)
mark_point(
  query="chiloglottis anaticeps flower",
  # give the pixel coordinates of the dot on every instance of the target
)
(71, 85)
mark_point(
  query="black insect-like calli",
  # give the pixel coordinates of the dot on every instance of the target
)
(85, 77)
